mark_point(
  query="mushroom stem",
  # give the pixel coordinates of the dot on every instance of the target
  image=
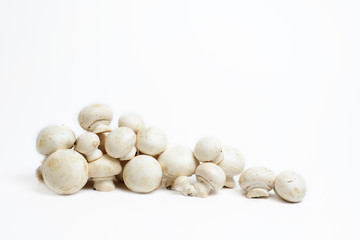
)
(257, 193)
(230, 183)
(39, 175)
(104, 184)
(202, 188)
(94, 155)
(100, 126)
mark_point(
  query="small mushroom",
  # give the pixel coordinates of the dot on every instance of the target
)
(131, 120)
(290, 186)
(177, 161)
(151, 141)
(96, 118)
(210, 177)
(53, 138)
(142, 174)
(87, 144)
(233, 164)
(65, 171)
(209, 149)
(119, 142)
(102, 172)
(257, 182)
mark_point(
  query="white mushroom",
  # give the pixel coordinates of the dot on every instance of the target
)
(290, 186)
(209, 149)
(233, 164)
(142, 174)
(257, 182)
(131, 120)
(177, 161)
(210, 177)
(119, 142)
(96, 118)
(65, 171)
(130, 155)
(102, 172)
(51, 139)
(87, 144)
(151, 141)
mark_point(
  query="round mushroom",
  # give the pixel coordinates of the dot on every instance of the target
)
(119, 142)
(87, 144)
(233, 164)
(151, 141)
(209, 149)
(290, 186)
(177, 161)
(131, 120)
(142, 174)
(257, 182)
(96, 118)
(53, 138)
(65, 171)
(102, 172)
(210, 177)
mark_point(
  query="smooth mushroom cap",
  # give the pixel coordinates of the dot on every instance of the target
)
(87, 142)
(130, 155)
(53, 138)
(208, 149)
(65, 171)
(120, 141)
(131, 120)
(257, 177)
(233, 162)
(178, 161)
(212, 174)
(151, 141)
(290, 186)
(105, 166)
(142, 174)
(90, 115)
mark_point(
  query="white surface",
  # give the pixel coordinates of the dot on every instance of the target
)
(277, 79)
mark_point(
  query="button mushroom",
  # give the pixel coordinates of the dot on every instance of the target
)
(51, 139)
(257, 182)
(65, 171)
(208, 149)
(210, 177)
(290, 186)
(131, 120)
(151, 141)
(233, 164)
(177, 161)
(87, 144)
(119, 142)
(96, 118)
(142, 174)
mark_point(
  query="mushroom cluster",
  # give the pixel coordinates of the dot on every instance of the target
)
(141, 158)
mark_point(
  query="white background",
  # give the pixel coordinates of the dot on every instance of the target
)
(277, 79)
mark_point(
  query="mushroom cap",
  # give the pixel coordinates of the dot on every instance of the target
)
(142, 174)
(212, 174)
(178, 161)
(130, 155)
(87, 142)
(233, 162)
(151, 141)
(94, 113)
(105, 166)
(208, 149)
(119, 142)
(257, 177)
(53, 138)
(131, 120)
(290, 186)
(65, 171)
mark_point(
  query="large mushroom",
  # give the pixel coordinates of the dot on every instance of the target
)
(233, 164)
(209, 149)
(257, 182)
(151, 141)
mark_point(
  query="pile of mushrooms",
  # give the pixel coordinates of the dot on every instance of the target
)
(141, 158)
